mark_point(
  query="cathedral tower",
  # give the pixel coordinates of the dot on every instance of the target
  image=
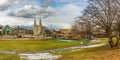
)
(37, 28)
(35, 21)
(40, 25)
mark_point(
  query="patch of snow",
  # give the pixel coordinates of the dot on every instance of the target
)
(82, 47)
(38, 56)
(7, 52)
(95, 41)
(75, 50)
(89, 46)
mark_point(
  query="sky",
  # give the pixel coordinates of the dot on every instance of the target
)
(56, 13)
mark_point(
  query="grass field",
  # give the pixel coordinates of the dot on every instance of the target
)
(9, 57)
(29, 46)
(98, 53)
(33, 45)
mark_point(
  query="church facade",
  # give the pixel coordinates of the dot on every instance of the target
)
(37, 28)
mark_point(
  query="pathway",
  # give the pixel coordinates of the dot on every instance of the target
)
(45, 55)
(54, 50)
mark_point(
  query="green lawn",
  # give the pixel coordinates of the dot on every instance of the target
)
(98, 53)
(33, 45)
(29, 46)
(9, 57)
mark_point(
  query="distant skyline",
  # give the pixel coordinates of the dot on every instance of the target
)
(58, 13)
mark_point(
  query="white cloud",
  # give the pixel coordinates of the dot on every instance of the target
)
(71, 10)
(66, 1)
(60, 17)
(64, 20)
(8, 3)
(78, 2)
(30, 11)
(3, 1)
(7, 20)
(57, 25)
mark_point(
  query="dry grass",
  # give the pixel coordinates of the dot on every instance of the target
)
(9, 57)
(99, 53)
(33, 45)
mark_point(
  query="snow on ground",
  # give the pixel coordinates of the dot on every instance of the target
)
(39, 56)
(77, 48)
(89, 46)
(48, 56)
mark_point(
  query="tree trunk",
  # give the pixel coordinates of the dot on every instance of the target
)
(117, 42)
(111, 42)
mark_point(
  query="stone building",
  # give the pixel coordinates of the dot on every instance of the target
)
(66, 31)
(37, 28)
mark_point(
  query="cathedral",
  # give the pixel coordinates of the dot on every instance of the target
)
(37, 28)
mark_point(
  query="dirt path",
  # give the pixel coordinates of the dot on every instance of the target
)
(54, 50)
(46, 54)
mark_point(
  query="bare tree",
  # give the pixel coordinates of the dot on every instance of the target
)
(116, 6)
(74, 28)
(103, 13)
(82, 26)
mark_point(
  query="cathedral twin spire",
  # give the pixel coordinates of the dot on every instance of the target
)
(37, 28)
(40, 23)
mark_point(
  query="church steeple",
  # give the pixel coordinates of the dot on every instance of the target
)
(40, 23)
(35, 21)
(37, 28)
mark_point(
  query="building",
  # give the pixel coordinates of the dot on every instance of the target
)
(1, 29)
(4, 30)
(21, 31)
(66, 31)
(37, 28)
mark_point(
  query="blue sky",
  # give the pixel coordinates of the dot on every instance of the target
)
(58, 13)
